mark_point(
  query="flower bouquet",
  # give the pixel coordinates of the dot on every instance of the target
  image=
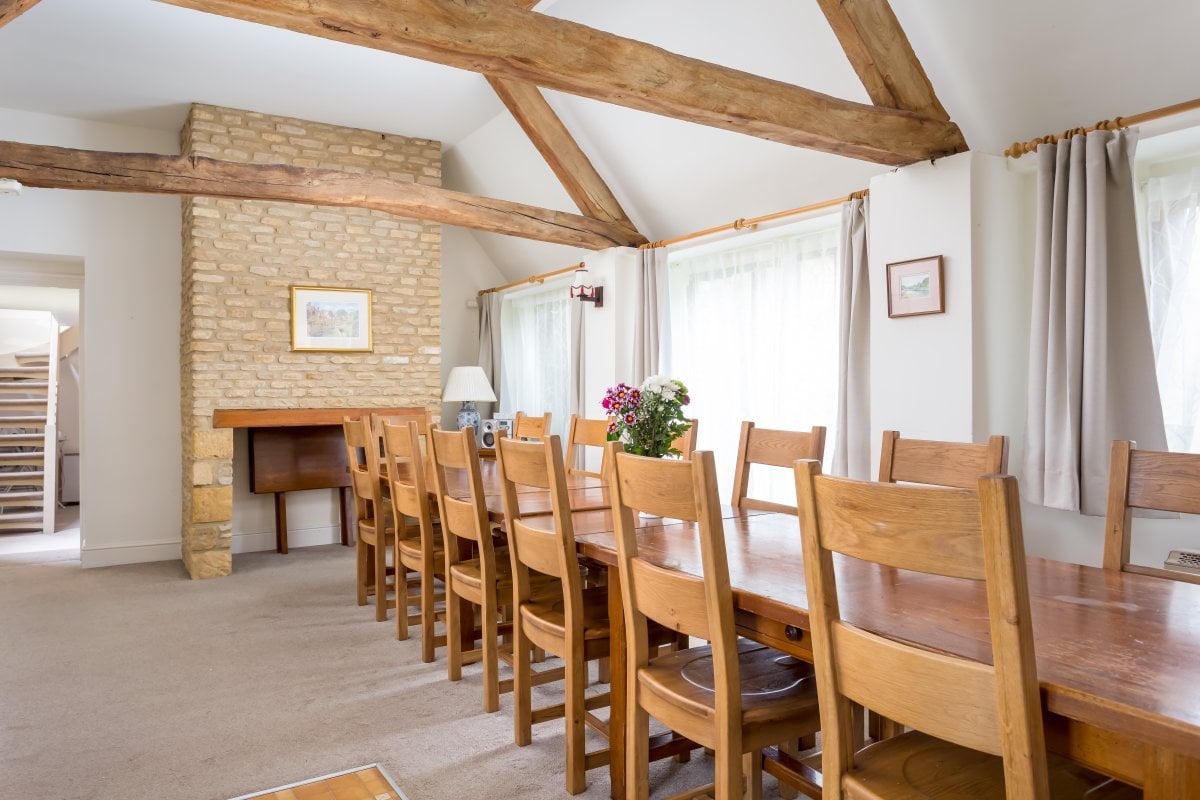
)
(648, 419)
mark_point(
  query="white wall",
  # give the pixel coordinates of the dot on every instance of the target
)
(921, 367)
(130, 247)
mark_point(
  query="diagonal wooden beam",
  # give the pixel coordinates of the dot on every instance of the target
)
(495, 37)
(882, 56)
(11, 9)
(64, 168)
(564, 155)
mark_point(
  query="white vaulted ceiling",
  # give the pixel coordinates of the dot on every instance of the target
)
(1004, 71)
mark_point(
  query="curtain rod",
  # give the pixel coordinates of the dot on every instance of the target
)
(754, 222)
(1019, 149)
(533, 279)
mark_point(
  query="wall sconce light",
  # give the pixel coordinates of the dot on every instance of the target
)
(584, 290)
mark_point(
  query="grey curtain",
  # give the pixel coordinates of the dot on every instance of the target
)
(489, 339)
(1091, 360)
(650, 302)
(852, 445)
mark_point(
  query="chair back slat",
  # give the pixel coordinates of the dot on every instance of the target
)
(935, 531)
(658, 486)
(671, 598)
(773, 448)
(524, 466)
(950, 698)
(686, 442)
(366, 493)
(459, 518)
(1164, 481)
(585, 433)
(935, 463)
(536, 549)
(529, 427)
(935, 692)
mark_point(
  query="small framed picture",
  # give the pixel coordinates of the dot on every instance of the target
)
(915, 287)
(331, 319)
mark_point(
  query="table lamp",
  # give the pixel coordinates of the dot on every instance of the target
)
(468, 385)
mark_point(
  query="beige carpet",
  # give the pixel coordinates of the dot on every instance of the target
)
(135, 683)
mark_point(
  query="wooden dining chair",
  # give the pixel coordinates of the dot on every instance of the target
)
(585, 433)
(1148, 479)
(732, 696)
(482, 577)
(373, 519)
(774, 448)
(527, 427)
(957, 464)
(421, 550)
(976, 726)
(685, 443)
(567, 620)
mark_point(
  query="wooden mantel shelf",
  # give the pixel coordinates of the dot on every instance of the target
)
(295, 417)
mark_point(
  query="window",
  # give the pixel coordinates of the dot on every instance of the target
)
(1172, 265)
(754, 336)
(535, 359)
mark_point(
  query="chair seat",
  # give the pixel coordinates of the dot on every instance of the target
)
(776, 689)
(915, 766)
(549, 616)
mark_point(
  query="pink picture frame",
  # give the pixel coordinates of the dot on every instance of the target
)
(916, 287)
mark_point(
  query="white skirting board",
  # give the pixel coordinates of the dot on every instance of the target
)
(168, 549)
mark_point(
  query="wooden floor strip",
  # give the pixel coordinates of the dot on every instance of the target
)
(361, 783)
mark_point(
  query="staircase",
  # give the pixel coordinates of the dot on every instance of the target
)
(24, 408)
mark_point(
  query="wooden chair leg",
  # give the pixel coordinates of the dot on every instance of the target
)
(576, 713)
(727, 777)
(362, 564)
(792, 748)
(491, 658)
(637, 749)
(428, 617)
(381, 580)
(522, 698)
(401, 597)
(453, 635)
(752, 773)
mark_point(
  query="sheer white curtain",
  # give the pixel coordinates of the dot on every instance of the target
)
(754, 336)
(536, 354)
(1173, 291)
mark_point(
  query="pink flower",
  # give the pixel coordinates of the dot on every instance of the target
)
(612, 427)
(630, 419)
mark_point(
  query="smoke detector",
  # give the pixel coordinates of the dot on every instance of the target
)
(10, 187)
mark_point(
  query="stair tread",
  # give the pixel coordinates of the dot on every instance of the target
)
(25, 383)
(23, 421)
(15, 516)
(13, 439)
(22, 498)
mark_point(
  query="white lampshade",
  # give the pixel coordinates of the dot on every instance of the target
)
(468, 384)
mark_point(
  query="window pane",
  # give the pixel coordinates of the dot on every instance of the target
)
(754, 336)
(1173, 293)
(535, 356)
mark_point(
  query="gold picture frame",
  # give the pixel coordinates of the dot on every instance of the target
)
(916, 287)
(331, 320)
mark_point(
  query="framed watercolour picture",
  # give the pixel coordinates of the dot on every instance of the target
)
(331, 319)
(915, 287)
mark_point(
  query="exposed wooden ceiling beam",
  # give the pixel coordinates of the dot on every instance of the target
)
(11, 9)
(882, 56)
(63, 168)
(495, 37)
(564, 155)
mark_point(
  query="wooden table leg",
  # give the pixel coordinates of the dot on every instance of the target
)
(618, 686)
(1170, 775)
(281, 543)
(344, 507)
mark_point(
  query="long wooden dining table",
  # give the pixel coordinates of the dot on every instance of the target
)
(1118, 654)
